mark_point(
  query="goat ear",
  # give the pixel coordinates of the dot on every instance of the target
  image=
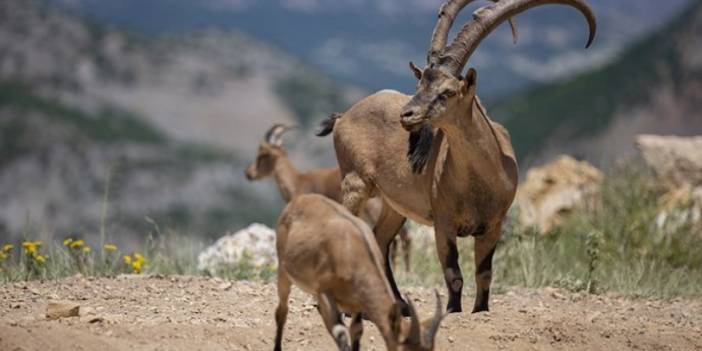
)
(416, 70)
(470, 82)
(395, 318)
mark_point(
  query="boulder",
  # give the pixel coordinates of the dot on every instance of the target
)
(553, 190)
(255, 243)
(677, 161)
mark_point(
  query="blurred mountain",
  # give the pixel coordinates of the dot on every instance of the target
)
(165, 122)
(368, 42)
(655, 86)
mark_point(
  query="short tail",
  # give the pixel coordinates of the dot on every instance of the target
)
(327, 125)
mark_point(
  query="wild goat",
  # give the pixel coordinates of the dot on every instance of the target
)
(272, 160)
(462, 172)
(327, 252)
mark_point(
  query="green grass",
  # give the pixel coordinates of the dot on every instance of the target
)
(615, 247)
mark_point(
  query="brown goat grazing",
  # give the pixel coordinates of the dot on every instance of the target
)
(327, 252)
(272, 160)
(462, 172)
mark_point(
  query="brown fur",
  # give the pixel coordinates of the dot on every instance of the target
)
(327, 252)
(272, 160)
(468, 184)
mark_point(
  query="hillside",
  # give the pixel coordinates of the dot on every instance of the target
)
(655, 86)
(369, 43)
(166, 123)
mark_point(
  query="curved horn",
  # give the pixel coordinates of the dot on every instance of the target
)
(487, 18)
(447, 14)
(275, 133)
(415, 335)
(436, 321)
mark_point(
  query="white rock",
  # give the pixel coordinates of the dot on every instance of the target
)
(256, 242)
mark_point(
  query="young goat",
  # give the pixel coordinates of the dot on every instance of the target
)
(327, 252)
(272, 160)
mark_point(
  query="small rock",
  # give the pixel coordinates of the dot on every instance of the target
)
(451, 339)
(57, 310)
(225, 286)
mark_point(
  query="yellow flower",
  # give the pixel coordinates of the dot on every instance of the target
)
(7, 248)
(87, 249)
(139, 258)
(30, 247)
(40, 259)
(67, 242)
(110, 247)
(136, 266)
(77, 244)
(128, 260)
(3, 256)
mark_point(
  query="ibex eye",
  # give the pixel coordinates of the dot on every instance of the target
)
(447, 94)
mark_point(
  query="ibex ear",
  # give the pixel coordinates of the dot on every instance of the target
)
(395, 318)
(416, 70)
(470, 83)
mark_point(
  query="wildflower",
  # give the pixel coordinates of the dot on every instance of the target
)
(110, 247)
(40, 259)
(87, 249)
(128, 260)
(3, 256)
(67, 242)
(139, 258)
(77, 244)
(7, 248)
(31, 247)
(136, 266)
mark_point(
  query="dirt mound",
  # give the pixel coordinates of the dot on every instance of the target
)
(192, 313)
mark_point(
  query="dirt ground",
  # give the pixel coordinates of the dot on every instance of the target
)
(192, 313)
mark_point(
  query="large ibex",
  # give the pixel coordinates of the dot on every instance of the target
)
(462, 173)
(272, 160)
(329, 253)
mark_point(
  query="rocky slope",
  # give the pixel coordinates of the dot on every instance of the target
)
(653, 87)
(166, 123)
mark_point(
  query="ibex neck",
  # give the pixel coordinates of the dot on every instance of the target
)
(470, 135)
(286, 176)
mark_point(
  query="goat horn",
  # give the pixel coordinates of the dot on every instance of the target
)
(436, 321)
(487, 18)
(447, 15)
(275, 133)
(415, 335)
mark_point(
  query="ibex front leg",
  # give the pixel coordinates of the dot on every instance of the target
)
(445, 234)
(484, 249)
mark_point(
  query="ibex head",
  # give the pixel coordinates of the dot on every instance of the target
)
(416, 336)
(441, 89)
(270, 149)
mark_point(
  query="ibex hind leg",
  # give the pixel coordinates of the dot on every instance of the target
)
(281, 313)
(484, 250)
(387, 227)
(354, 192)
(333, 321)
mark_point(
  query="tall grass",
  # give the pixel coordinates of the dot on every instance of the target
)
(613, 246)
